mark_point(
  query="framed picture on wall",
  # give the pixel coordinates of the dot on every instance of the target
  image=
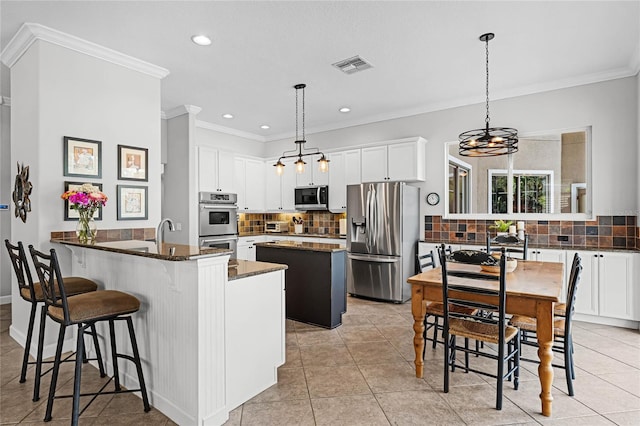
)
(72, 214)
(82, 157)
(132, 202)
(132, 163)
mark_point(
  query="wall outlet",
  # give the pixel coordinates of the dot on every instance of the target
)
(178, 226)
(563, 238)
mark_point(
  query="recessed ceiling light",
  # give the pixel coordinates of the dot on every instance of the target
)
(344, 109)
(201, 40)
(265, 127)
(227, 115)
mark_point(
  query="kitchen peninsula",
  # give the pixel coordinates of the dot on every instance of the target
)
(316, 276)
(201, 318)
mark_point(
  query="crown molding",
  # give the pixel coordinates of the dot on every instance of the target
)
(181, 110)
(30, 32)
(229, 131)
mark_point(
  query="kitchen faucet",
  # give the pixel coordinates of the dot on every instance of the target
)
(160, 230)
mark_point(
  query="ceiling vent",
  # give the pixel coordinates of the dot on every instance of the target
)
(352, 65)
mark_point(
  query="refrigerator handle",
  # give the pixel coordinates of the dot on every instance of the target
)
(372, 259)
(369, 224)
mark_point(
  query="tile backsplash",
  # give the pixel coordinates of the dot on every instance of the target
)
(606, 232)
(315, 222)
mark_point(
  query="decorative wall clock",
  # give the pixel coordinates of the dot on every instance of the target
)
(21, 191)
(433, 199)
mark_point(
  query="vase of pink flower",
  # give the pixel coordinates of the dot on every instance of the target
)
(85, 200)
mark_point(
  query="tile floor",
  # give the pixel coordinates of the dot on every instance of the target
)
(362, 373)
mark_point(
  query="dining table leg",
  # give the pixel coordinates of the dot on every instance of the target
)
(544, 331)
(418, 310)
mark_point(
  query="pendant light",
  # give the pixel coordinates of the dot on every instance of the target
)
(323, 163)
(490, 141)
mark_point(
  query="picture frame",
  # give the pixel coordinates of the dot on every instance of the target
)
(72, 214)
(132, 202)
(133, 163)
(82, 157)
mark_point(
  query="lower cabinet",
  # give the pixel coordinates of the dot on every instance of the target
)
(607, 284)
(247, 248)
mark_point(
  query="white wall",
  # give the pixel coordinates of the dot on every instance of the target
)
(611, 107)
(58, 92)
(6, 170)
(237, 144)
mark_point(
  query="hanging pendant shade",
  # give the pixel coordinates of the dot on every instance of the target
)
(488, 141)
(323, 163)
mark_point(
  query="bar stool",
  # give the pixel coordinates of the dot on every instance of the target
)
(85, 310)
(33, 293)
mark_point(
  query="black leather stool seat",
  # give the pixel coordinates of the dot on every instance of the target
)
(95, 306)
(72, 286)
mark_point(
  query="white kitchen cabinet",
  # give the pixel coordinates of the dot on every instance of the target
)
(344, 169)
(247, 248)
(249, 184)
(215, 170)
(553, 255)
(311, 175)
(606, 285)
(279, 191)
(402, 161)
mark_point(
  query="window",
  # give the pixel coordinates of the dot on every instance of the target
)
(532, 189)
(459, 188)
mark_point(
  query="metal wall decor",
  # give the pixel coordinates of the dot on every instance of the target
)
(489, 141)
(21, 190)
(323, 163)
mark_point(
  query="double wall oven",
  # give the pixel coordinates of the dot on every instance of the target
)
(218, 220)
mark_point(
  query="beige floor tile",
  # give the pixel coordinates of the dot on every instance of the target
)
(396, 331)
(602, 396)
(596, 362)
(281, 413)
(292, 357)
(126, 403)
(291, 386)
(374, 353)
(626, 418)
(360, 334)
(324, 382)
(152, 418)
(388, 319)
(354, 319)
(629, 381)
(392, 377)
(596, 420)
(417, 408)
(235, 417)
(326, 356)
(354, 410)
(318, 336)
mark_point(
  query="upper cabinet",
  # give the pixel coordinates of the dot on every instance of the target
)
(344, 169)
(400, 161)
(279, 192)
(249, 184)
(311, 175)
(215, 170)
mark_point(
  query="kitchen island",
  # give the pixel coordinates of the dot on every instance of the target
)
(315, 279)
(200, 321)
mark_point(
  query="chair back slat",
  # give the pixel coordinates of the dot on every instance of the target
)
(511, 243)
(572, 291)
(21, 268)
(426, 261)
(51, 280)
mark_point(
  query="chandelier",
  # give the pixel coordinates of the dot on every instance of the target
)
(323, 163)
(489, 141)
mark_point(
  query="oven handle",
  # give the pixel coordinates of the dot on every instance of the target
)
(216, 239)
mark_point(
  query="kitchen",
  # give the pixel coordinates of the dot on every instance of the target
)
(175, 141)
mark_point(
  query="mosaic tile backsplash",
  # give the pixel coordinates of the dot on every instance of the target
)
(104, 235)
(606, 232)
(320, 222)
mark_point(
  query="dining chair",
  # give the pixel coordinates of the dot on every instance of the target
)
(511, 243)
(434, 310)
(84, 311)
(481, 291)
(562, 337)
(32, 292)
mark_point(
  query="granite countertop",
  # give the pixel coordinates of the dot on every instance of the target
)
(244, 268)
(292, 234)
(166, 251)
(303, 245)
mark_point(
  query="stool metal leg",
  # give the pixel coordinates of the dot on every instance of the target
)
(36, 383)
(114, 355)
(54, 376)
(75, 412)
(96, 346)
(136, 359)
(27, 346)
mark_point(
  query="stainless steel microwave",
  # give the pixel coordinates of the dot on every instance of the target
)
(312, 198)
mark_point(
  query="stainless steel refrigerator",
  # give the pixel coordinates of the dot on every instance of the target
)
(383, 228)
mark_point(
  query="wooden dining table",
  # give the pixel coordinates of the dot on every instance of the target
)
(532, 289)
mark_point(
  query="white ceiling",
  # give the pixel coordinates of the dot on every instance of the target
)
(425, 54)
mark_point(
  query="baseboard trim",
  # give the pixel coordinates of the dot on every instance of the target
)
(5, 300)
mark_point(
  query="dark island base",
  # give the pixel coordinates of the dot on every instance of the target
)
(315, 288)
